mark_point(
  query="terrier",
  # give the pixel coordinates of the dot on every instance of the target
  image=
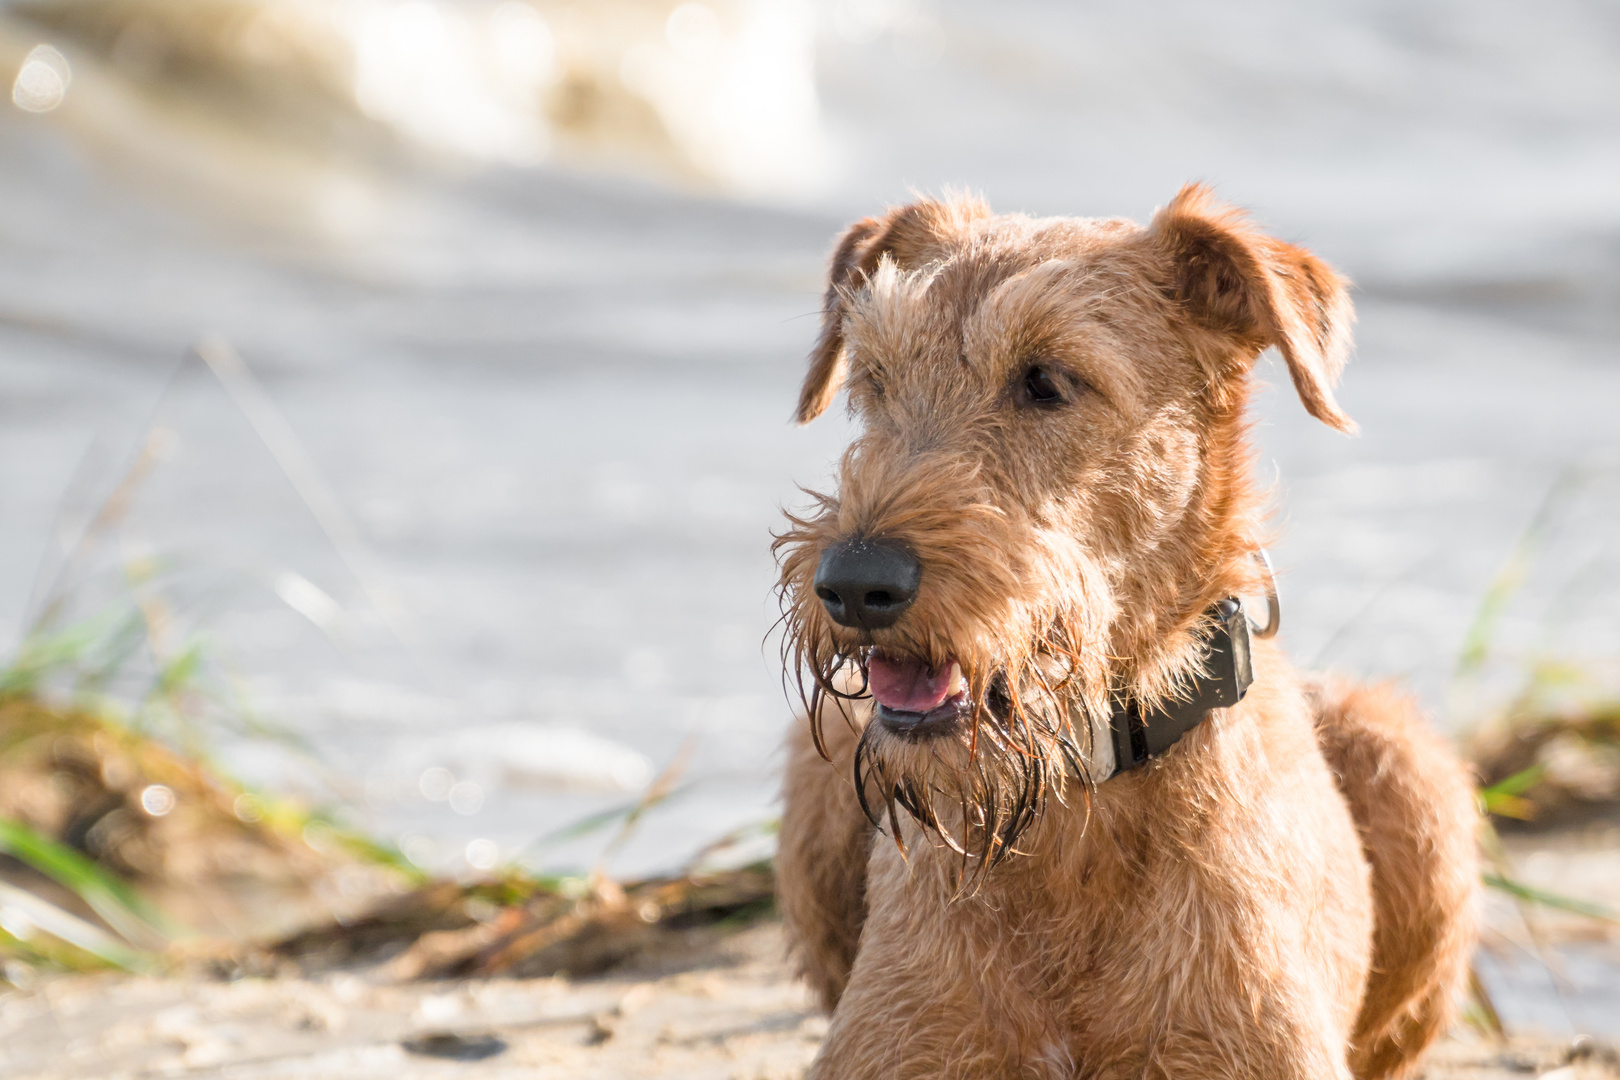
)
(1057, 811)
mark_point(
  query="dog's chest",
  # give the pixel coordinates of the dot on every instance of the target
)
(1069, 952)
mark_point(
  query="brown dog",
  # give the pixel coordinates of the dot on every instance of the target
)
(1010, 629)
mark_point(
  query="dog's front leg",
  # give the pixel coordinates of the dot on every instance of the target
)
(933, 995)
(1291, 1035)
(939, 1028)
(821, 858)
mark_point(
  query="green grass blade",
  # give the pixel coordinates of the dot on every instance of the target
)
(19, 909)
(1505, 798)
(360, 846)
(107, 895)
(1517, 784)
(1511, 575)
(592, 823)
(41, 654)
(1534, 895)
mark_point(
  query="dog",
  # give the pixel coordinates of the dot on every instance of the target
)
(1061, 808)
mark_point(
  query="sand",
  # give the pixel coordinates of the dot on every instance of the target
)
(731, 1011)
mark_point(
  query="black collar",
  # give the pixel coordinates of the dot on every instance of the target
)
(1222, 682)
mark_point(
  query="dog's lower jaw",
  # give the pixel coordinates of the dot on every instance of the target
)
(946, 719)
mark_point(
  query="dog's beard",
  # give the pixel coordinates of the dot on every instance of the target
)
(978, 789)
(1035, 675)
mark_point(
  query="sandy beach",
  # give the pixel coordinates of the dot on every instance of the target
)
(728, 1009)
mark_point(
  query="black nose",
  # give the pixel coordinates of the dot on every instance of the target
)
(867, 584)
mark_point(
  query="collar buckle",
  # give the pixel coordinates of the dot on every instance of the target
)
(1221, 683)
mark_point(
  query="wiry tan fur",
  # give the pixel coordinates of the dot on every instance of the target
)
(1288, 891)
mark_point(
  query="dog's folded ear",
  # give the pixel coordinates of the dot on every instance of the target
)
(1235, 280)
(912, 235)
(855, 258)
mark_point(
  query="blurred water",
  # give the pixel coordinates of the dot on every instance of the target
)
(1563, 990)
(548, 377)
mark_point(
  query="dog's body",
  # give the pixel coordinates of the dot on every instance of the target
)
(1054, 479)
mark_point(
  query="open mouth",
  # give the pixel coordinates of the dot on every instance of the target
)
(914, 700)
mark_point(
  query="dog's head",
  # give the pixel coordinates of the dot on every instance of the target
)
(1049, 489)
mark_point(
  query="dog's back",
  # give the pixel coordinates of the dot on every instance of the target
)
(1415, 809)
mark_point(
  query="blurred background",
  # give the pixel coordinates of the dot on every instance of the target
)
(396, 393)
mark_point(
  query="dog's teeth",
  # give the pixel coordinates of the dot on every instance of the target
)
(954, 687)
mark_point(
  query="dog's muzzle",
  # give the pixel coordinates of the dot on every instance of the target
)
(867, 584)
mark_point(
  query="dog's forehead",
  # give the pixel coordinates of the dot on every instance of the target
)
(978, 259)
(913, 311)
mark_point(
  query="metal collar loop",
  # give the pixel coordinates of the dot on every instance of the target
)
(1273, 605)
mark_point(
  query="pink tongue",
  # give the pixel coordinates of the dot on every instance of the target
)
(905, 684)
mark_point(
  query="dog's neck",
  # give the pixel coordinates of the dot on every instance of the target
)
(1164, 597)
(1136, 733)
(1191, 655)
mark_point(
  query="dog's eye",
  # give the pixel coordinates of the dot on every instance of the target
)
(1039, 388)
